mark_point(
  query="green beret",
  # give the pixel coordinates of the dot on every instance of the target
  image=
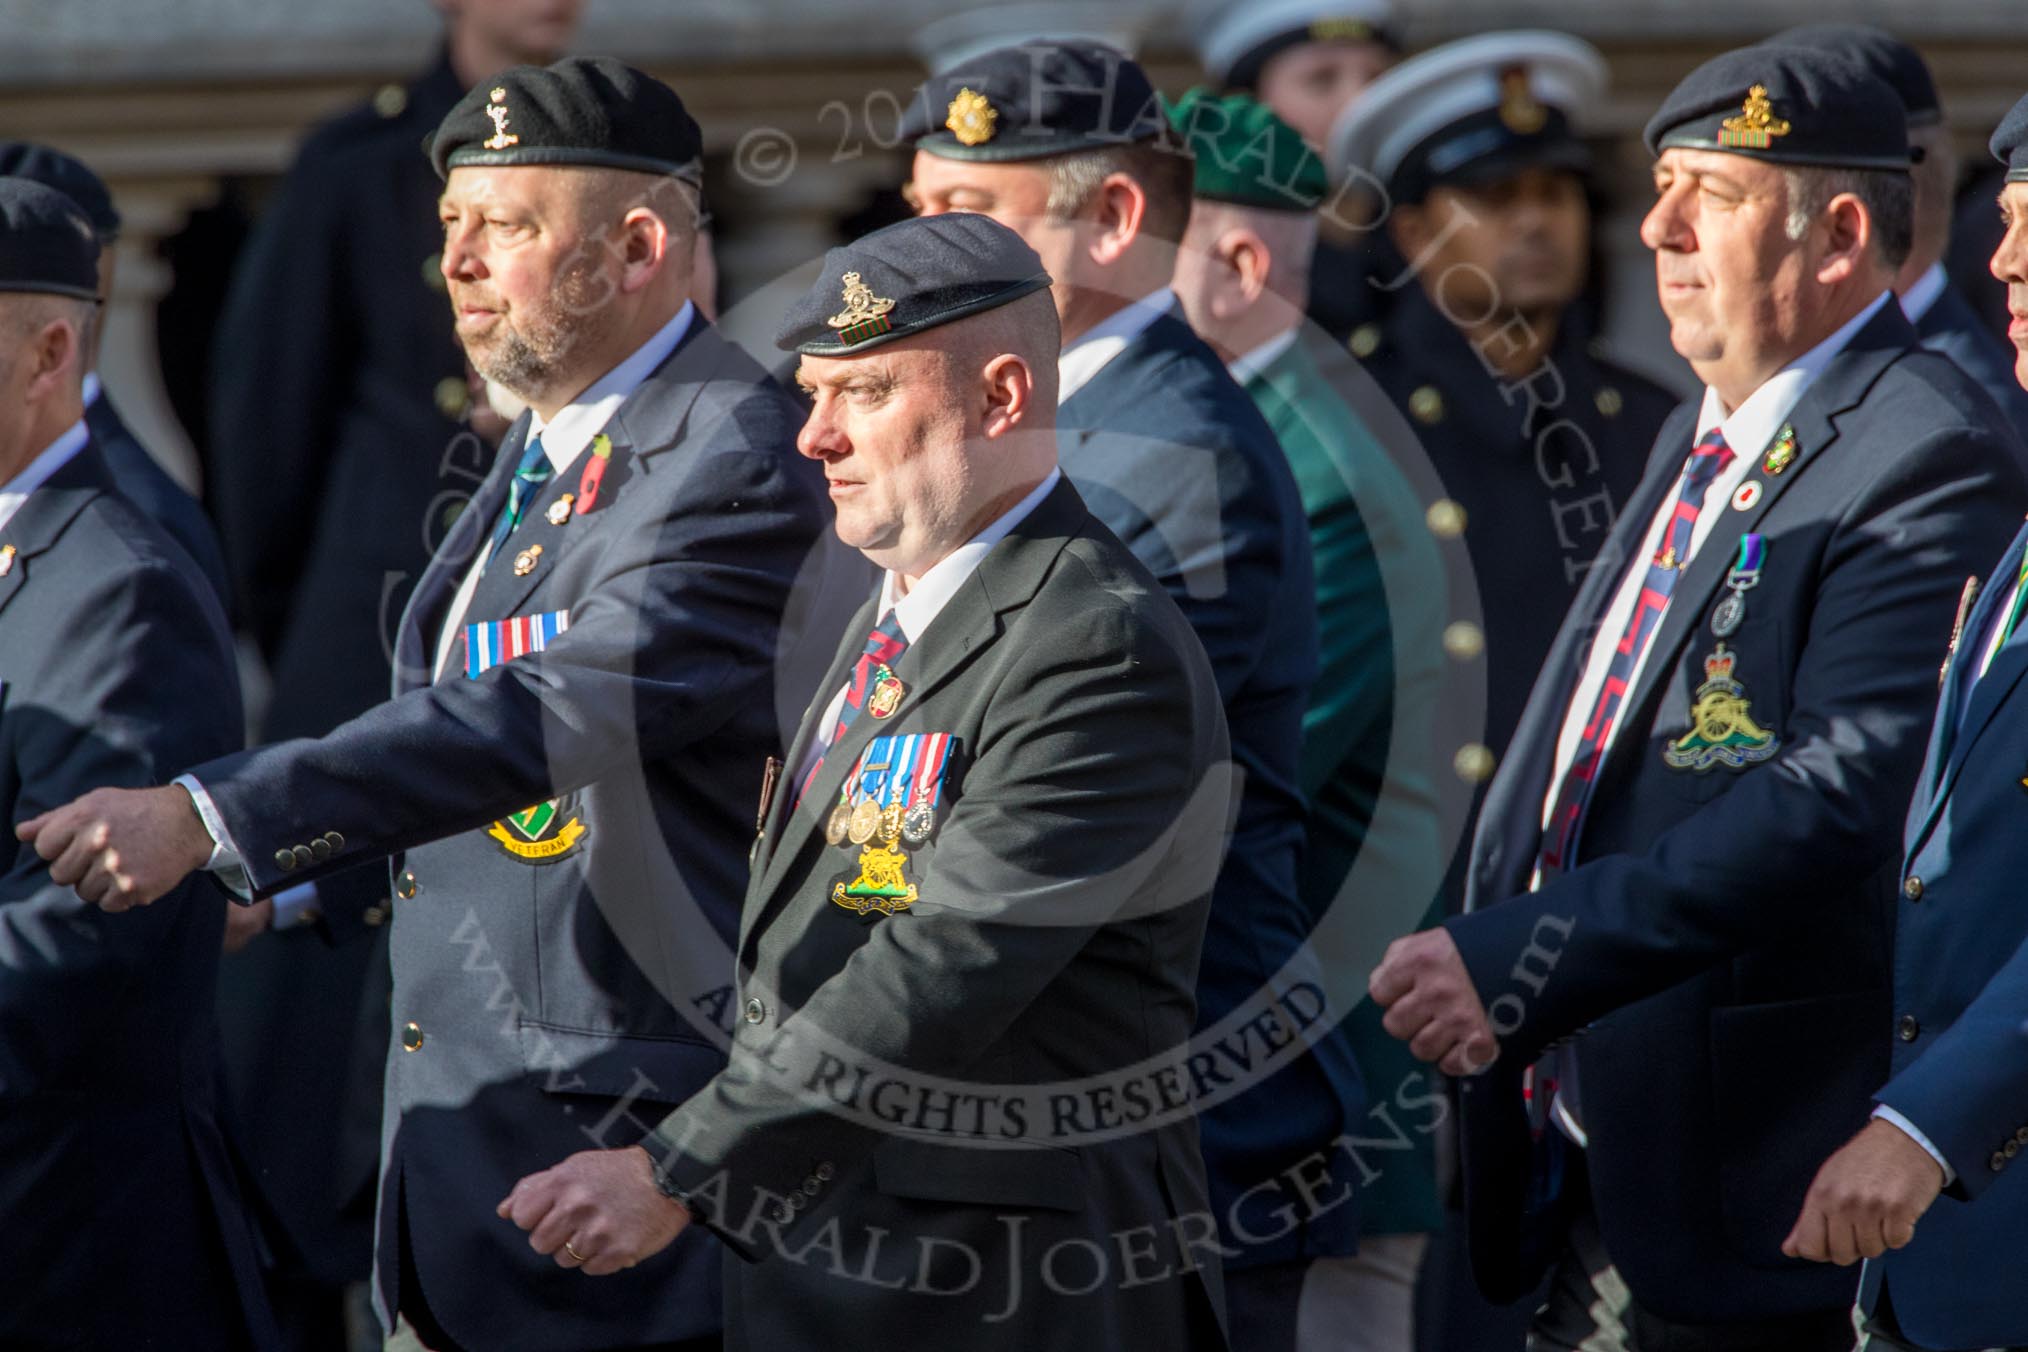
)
(1246, 155)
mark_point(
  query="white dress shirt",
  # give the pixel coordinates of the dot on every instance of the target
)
(918, 605)
(1915, 302)
(47, 461)
(1747, 430)
(1086, 355)
(1247, 365)
(564, 439)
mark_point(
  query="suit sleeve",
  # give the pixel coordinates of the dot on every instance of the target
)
(1782, 854)
(1968, 1094)
(108, 711)
(1056, 833)
(281, 350)
(676, 632)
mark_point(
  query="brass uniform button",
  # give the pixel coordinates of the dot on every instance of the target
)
(1909, 1029)
(1445, 518)
(783, 1213)
(404, 886)
(320, 849)
(304, 856)
(1609, 401)
(375, 915)
(756, 1012)
(411, 1037)
(285, 860)
(1912, 889)
(1427, 405)
(1998, 1162)
(826, 1172)
(2021, 1135)
(453, 397)
(390, 100)
(2011, 1149)
(1473, 763)
(1464, 641)
(1365, 340)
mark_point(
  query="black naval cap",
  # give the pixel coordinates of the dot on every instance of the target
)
(584, 110)
(1036, 99)
(907, 277)
(69, 176)
(1785, 105)
(1882, 54)
(46, 243)
(2010, 142)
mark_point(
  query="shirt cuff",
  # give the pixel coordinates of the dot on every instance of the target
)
(1914, 1133)
(225, 859)
(296, 906)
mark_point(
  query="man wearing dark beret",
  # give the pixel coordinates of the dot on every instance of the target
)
(141, 476)
(341, 434)
(585, 697)
(982, 877)
(1366, 774)
(1689, 855)
(1067, 144)
(1930, 297)
(116, 669)
(1941, 1225)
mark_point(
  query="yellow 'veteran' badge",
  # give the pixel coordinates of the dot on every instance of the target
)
(971, 118)
(497, 110)
(1520, 111)
(864, 315)
(1756, 126)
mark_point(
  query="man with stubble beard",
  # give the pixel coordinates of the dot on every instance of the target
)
(585, 686)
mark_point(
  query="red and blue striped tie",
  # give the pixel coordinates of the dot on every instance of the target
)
(1707, 460)
(884, 647)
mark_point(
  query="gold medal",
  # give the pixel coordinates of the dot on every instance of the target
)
(890, 824)
(864, 821)
(834, 826)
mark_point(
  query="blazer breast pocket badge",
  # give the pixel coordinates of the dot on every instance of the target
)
(887, 807)
(1722, 727)
(549, 830)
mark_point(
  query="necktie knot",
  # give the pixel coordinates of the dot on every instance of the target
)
(886, 643)
(1708, 458)
(530, 474)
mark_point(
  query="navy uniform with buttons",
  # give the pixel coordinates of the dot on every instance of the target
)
(1959, 1074)
(337, 452)
(109, 1109)
(1719, 929)
(1534, 476)
(1936, 302)
(139, 475)
(1174, 457)
(1056, 918)
(575, 819)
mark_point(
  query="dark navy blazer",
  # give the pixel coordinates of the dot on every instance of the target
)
(1723, 936)
(540, 994)
(151, 489)
(1174, 457)
(1960, 1040)
(121, 1222)
(1952, 327)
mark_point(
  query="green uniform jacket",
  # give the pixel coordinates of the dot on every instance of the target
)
(1380, 608)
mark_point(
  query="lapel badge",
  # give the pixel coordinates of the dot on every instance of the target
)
(864, 315)
(6, 560)
(497, 110)
(1782, 453)
(970, 118)
(1747, 495)
(524, 562)
(559, 511)
(887, 693)
(1756, 127)
(1722, 729)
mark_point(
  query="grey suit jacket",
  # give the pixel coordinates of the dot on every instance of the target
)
(955, 1107)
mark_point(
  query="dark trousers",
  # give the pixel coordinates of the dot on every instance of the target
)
(1883, 1332)
(1591, 1308)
